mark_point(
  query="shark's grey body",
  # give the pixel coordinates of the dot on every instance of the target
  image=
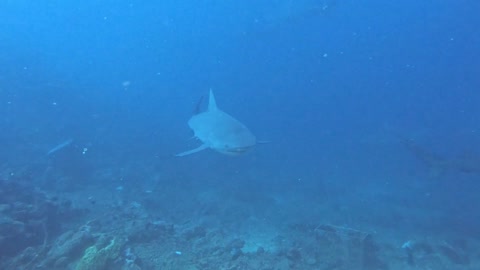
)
(219, 131)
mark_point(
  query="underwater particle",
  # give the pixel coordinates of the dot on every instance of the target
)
(178, 253)
(126, 84)
(408, 244)
(119, 188)
(325, 55)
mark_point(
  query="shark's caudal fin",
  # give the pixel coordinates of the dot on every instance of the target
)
(198, 149)
(212, 105)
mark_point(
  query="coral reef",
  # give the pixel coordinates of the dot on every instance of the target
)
(29, 220)
(35, 234)
(98, 255)
(68, 245)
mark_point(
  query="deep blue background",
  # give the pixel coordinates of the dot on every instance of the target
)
(334, 85)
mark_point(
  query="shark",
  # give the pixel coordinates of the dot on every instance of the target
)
(467, 163)
(219, 131)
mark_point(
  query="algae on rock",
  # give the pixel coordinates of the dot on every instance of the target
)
(96, 258)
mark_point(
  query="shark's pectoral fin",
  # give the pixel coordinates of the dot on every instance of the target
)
(198, 149)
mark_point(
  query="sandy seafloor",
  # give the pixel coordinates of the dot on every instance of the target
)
(210, 212)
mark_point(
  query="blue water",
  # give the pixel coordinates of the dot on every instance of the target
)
(334, 86)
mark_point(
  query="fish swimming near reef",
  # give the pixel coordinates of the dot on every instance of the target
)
(59, 147)
(219, 131)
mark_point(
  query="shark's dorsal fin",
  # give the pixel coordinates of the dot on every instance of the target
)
(198, 106)
(212, 105)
